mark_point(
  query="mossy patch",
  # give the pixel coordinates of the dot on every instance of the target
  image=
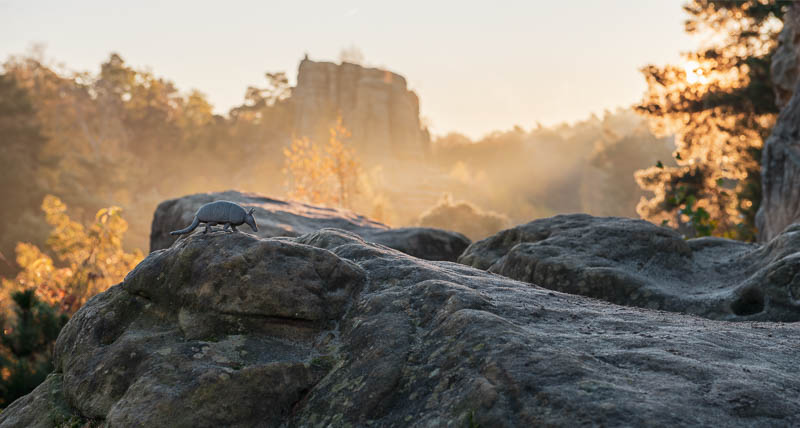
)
(323, 362)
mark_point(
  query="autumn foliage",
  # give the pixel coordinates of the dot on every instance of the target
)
(88, 260)
(720, 106)
(37, 302)
(323, 175)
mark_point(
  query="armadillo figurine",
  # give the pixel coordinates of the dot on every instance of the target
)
(221, 212)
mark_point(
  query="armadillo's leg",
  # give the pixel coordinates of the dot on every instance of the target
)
(227, 227)
(234, 228)
(208, 227)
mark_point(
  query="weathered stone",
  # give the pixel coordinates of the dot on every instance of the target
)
(785, 66)
(329, 330)
(288, 218)
(43, 408)
(780, 174)
(375, 106)
(219, 330)
(780, 159)
(635, 263)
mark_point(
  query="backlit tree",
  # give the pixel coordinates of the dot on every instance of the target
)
(89, 259)
(326, 175)
(720, 105)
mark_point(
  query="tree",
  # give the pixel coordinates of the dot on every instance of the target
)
(720, 106)
(26, 345)
(305, 169)
(608, 187)
(259, 128)
(92, 256)
(39, 300)
(256, 99)
(325, 175)
(21, 140)
(118, 137)
(342, 164)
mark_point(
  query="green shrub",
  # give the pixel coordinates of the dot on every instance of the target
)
(26, 345)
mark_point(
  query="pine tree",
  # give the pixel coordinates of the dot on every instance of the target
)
(26, 345)
(720, 106)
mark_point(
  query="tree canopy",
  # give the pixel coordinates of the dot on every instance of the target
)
(720, 105)
(126, 137)
(326, 175)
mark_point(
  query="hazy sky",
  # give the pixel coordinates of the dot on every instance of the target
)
(477, 66)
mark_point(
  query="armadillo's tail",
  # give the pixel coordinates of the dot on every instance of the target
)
(191, 227)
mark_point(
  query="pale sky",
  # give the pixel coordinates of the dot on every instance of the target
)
(476, 66)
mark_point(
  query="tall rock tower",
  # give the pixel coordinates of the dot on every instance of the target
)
(375, 105)
(780, 160)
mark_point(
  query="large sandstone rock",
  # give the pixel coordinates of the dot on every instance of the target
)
(635, 263)
(785, 66)
(780, 159)
(286, 218)
(328, 330)
(375, 105)
(780, 174)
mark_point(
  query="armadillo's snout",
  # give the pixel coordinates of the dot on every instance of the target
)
(252, 223)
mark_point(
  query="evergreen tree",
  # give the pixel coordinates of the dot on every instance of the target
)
(26, 345)
(720, 106)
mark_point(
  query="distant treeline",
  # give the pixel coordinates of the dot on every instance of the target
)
(584, 167)
(124, 137)
(127, 137)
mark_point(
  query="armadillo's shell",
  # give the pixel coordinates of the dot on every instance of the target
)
(221, 212)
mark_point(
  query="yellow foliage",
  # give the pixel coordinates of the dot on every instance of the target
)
(322, 175)
(92, 256)
(720, 107)
(304, 167)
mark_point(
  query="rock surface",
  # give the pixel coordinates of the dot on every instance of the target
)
(328, 330)
(635, 263)
(375, 106)
(780, 174)
(785, 66)
(780, 159)
(287, 218)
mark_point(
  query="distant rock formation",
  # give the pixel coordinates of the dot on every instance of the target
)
(288, 218)
(636, 263)
(375, 106)
(232, 330)
(780, 161)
